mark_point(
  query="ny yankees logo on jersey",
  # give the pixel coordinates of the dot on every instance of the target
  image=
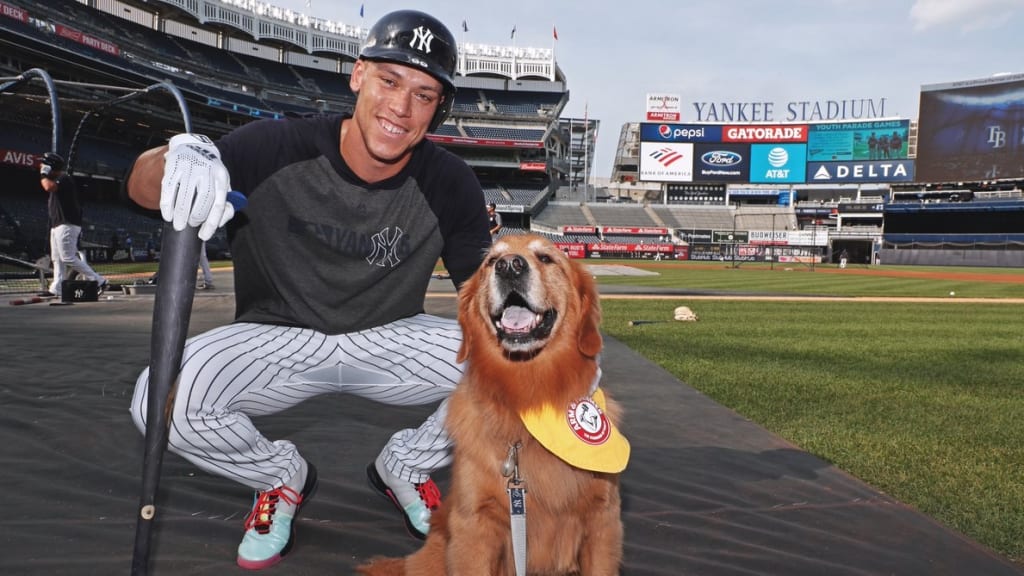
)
(421, 39)
(386, 248)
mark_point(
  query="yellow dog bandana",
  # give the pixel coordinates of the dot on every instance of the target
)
(580, 434)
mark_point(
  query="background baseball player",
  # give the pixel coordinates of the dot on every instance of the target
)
(346, 219)
(65, 213)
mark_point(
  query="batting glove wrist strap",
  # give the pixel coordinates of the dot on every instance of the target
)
(195, 185)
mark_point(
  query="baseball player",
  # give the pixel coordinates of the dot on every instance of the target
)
(65, 215)
(346, 219)
(204, 268)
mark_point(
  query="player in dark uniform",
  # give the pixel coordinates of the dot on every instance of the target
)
(346, 219)
(65, 214)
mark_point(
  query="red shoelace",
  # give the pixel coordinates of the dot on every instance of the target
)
(262, 515)
(430, 494)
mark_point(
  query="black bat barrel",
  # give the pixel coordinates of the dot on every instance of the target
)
(176, 285)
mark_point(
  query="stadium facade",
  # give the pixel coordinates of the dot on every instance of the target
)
(942, 189)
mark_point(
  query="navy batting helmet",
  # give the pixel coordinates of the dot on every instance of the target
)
(50, 163)
(418, 40)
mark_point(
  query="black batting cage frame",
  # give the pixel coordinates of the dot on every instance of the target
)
(172, 307)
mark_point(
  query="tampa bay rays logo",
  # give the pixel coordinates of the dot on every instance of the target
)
(421, 39)
(385, 248)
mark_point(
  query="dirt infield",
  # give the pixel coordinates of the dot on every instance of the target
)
(965, 275)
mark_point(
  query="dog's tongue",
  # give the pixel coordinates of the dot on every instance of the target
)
(517, 319)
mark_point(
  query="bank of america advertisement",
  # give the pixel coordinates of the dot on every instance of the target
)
(853, 141)
(666, 162)
(971, 130)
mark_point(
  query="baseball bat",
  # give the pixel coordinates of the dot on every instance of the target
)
(641, 322)
(172, 309)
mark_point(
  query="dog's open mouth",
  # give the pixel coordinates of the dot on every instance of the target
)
(520, 328)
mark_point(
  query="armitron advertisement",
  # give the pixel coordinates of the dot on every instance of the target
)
(971, 130)
(664, 107)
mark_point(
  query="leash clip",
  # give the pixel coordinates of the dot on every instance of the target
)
(510, 469)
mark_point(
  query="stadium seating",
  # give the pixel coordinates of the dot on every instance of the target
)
(499, 133)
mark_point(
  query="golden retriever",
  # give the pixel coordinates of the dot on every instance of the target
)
(530, 319)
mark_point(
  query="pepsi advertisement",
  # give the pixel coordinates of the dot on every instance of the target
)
(680, 132)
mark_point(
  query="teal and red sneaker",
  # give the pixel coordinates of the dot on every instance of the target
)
(270, 528)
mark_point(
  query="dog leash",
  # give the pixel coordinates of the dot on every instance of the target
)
(517, 507)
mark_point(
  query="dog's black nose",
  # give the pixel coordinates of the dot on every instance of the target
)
(511, 266)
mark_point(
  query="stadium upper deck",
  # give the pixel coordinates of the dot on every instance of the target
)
(240, 60)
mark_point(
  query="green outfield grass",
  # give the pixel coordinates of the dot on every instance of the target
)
(822, 280)
(923, 401)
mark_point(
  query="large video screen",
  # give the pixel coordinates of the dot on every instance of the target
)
(971, 130)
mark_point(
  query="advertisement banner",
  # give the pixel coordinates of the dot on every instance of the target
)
(572, 249)
(765, 133)
(668, 162)
(634, 230)
(721, 162)
(971, 130)
(87, 40)
(532, 166)
(778, 163)
(846, 141)
(459, 140)
(664, 107)
(577, 229)
(694, 236)
(729, 236)
(789, 237)
(680, 133)
(628, 248)
(19, 158)
(13, 12)
(846, 172)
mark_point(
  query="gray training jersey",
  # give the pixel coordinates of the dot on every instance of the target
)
(317, 247)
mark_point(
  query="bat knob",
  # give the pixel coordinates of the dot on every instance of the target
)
(237, 200)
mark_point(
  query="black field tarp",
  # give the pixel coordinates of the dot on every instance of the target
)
(707, 492)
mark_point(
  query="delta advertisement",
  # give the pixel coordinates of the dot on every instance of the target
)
(971, 130)
(837, 152)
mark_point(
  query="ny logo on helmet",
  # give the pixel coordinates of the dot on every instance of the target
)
(421, 39)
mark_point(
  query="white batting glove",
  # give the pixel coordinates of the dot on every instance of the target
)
(195, 185)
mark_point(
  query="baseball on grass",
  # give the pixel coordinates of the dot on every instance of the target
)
(951, 293)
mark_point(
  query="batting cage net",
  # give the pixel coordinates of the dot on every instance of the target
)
(83, 123)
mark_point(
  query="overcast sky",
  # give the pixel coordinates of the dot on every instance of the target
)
(614, 53)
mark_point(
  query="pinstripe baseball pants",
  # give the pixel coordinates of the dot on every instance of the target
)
(241, 370)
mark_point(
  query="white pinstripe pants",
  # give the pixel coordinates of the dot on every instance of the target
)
(241, 370)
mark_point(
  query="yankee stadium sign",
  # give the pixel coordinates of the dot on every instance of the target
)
(796, 111)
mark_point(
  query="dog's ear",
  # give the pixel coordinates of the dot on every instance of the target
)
(466, 305)
(589, 339)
